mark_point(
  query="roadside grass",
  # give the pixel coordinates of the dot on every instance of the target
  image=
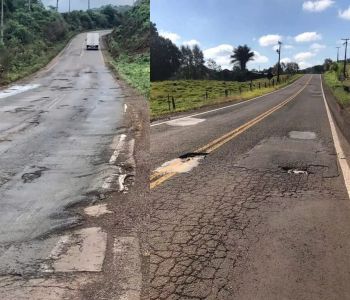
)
(337, 87)
(135, 70)
(194, 94)
(34, 63)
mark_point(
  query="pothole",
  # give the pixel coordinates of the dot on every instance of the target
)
(302, 135)
(31, 176)
(295, 171)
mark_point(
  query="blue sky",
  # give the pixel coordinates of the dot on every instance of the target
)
(309, 30)
(83, 4)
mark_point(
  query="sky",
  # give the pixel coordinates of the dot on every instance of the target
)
(310, 30)
(83, 4)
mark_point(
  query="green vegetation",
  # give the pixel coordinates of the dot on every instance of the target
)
(193, 94)
(135, 71)
(340, 89)
(129, 47)
(34, 35)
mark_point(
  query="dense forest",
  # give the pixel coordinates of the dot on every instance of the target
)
(168, 61)
(34, 35)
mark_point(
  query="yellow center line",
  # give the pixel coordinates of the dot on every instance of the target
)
(159, 176)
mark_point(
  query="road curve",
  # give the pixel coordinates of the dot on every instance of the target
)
(55, 135)
(264, 216)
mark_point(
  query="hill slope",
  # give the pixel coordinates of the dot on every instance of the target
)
(129, 46)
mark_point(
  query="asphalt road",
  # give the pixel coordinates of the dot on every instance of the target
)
(265, 215)
(58, 130)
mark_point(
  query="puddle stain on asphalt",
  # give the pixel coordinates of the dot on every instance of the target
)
(31, 176)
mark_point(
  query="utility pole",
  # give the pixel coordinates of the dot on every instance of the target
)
(57, 5)
(69, 6)
(346, 49)
(2, 24)
(88, 4)
(337, 54)
(29, 5)
(279, 60)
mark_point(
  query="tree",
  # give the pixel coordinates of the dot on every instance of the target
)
(165, 56)
(212, 65)
(241, 56)
(327, 64)
(292, 68)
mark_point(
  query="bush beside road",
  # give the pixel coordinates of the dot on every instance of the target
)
(340, 89)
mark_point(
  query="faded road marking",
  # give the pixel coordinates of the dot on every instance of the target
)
(158, 178)
(117, 150)
(81, 251)
(340, 152)
(17, 89)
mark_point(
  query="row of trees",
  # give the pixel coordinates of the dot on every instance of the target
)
(171, 62)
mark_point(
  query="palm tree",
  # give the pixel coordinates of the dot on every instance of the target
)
(241, 55)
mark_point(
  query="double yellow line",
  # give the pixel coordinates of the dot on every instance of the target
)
(158, 177)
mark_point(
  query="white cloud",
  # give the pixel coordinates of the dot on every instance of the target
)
(191, 43)
(288, 46)
(317, 5)
(269, 40)
(344, 14)
(304, 64)
(317, 47)
(220, 54)
(260, 59)
(286, 60)
(303, 56)
(308, 37)
(174, 37)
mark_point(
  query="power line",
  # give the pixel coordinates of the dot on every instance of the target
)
(346, 49)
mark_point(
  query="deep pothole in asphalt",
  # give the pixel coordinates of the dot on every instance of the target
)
(296, 171)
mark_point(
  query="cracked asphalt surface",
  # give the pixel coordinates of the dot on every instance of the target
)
(240, 226)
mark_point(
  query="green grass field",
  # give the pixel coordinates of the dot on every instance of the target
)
(194, 94)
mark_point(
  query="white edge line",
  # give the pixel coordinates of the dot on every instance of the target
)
(116, 152)
(340, 153)
(228, 106)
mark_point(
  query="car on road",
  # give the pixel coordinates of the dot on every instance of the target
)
(92, 41)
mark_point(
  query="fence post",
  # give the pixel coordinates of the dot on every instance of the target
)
(240, 89)
(226, 93)
(259, 85)
(206, 95)
(173, 101)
